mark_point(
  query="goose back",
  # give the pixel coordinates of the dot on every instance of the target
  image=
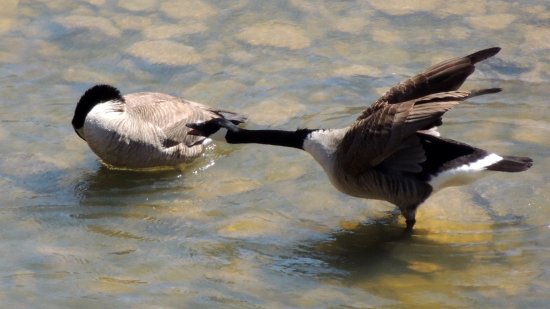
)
(147, 129)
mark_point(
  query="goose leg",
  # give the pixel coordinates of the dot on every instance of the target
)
(410, 216)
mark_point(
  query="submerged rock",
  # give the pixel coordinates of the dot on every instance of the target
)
(138, 5)
(95, 23)
(166, 31)
(397, 7)
(165, 52)
(491, 22)
(276, 34)
(274, 111)
(358, 69)
(83, 74)
(128, 22)
(195, 9)
(8, 14)
(350, 24)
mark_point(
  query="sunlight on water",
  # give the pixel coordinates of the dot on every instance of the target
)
(251, 226)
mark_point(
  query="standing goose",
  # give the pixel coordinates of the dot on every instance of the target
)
(142, 130)
(393, 151)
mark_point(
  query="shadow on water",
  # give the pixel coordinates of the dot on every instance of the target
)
(127, 204)
(111, 187)
(380, 247)
(32, 181)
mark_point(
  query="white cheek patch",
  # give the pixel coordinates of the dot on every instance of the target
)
(219, 135)
(465, 173)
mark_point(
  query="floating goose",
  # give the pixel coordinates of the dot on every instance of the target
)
(393, 151)
(142, 130)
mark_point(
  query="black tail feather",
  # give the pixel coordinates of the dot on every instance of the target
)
(512, 164)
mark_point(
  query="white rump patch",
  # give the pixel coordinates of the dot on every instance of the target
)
(464, 174)
(431, 131)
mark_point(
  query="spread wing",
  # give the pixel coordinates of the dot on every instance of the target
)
(446, 76)
(384, 134)
(387, 137)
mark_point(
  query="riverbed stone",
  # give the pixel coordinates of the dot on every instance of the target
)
(491, 22)
(91, 23)
(276, 34)
(274, 112)
(397, 7)
(194, 9)
(165, 52)
(138, 5)
(166, 31)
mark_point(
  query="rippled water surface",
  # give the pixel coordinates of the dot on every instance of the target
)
(251, 226)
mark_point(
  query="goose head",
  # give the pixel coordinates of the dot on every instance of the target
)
(216, 128)
(96, 95)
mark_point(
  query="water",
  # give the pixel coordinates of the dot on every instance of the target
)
(253, 226)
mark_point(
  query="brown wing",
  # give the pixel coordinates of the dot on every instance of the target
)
(388, 133)
(446, 76)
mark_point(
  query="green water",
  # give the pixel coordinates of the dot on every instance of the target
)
(253, 226)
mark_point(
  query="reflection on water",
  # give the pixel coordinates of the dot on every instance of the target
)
(261, 227)
(124, 183)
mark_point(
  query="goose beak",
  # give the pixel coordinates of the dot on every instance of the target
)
(210, 127)
(196, 129)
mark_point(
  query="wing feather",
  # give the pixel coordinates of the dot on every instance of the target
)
(385, 133)
(445, 76)
(170, 114)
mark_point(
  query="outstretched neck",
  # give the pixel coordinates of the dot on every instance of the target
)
(293, 139)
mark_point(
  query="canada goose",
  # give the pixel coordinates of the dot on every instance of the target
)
(142, 130)
(393, 151)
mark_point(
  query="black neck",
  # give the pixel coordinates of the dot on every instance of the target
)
(293, 139)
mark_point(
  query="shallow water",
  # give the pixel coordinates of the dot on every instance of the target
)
(261, 227)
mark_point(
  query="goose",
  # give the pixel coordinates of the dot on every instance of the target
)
(393, 151)
(142, 130)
